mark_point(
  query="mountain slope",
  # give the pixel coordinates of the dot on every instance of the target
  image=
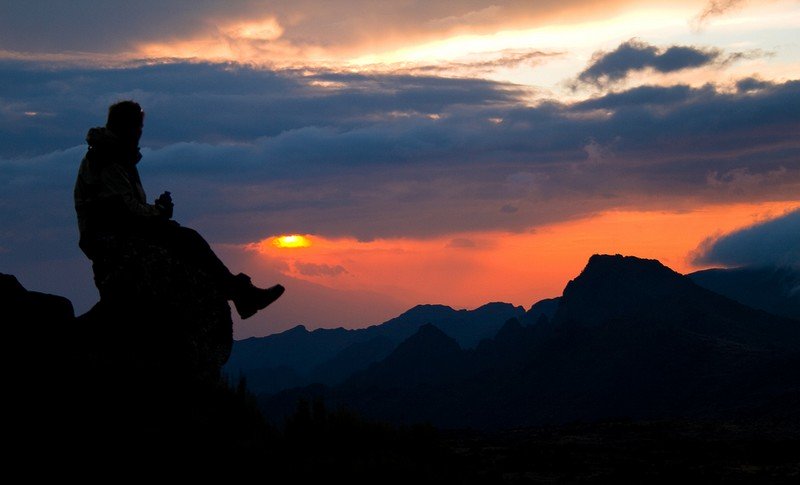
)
(299, 357)
(772, 289)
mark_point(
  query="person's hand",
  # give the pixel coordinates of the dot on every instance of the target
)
(164, 202)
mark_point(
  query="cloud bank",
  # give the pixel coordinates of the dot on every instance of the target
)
(250, 153)
(772, 243)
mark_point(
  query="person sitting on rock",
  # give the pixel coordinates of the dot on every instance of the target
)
(110, 203)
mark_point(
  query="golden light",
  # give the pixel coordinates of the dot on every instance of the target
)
(292, 241)
(266, 29)
(556, 37)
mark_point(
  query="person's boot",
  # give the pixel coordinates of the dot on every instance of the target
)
(249, 299)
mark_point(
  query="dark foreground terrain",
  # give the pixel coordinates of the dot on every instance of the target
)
(637, 375)
(647, 453)
(316, 444)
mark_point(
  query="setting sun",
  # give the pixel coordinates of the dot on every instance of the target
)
(292, 241)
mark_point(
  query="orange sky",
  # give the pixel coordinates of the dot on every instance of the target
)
(468, 270)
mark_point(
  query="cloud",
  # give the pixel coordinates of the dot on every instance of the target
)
(488, 62)
(773, 242)
(752, 84)
(635, 55)
(509, 209)
(461, 243)
(746, 55)
(741, 180)
(313, 269)
(714, 8)
(235, 103)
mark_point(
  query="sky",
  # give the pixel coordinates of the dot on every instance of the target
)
(450, 152)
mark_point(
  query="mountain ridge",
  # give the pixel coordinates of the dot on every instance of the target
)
(291, 358)
(676, 351)
(330, 355)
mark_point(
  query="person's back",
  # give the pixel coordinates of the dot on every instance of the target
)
(109, 197)
(110, 203)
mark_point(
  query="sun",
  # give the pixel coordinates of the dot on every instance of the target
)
(292, 241)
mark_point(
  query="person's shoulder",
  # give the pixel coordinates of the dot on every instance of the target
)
(102, 146)
(101, 137)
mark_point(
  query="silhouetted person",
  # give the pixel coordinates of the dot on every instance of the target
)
(111, 203)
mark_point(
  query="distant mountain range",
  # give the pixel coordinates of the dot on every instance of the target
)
(299, 357)
(629, 339)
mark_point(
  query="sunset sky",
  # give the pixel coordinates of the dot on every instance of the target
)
(453, 152)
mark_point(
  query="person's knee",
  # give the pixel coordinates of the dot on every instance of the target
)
(188, 234)
(190, 239)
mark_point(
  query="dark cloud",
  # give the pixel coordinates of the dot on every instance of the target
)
(644, 96)
(714, 8)
(752, 84)
(774, 242)
(43, 109)
(635, 55)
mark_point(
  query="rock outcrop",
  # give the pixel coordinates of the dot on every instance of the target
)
(157, 306)
(136, 378)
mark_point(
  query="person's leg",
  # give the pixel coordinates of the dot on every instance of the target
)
(249, 299)
(190, 245)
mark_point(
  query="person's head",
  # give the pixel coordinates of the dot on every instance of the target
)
(126, 120)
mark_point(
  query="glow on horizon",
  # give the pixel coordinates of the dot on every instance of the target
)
(470, 269)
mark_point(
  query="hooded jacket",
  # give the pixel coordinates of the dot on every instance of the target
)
(109, 196)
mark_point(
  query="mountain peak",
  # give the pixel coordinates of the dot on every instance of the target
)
(431, 334)
(426, 309)
(618, 287)
(429, 343)
(510, 331)
(494, 305)
(618, 262)
(427, 356)
(627, 273)
(297, 329)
